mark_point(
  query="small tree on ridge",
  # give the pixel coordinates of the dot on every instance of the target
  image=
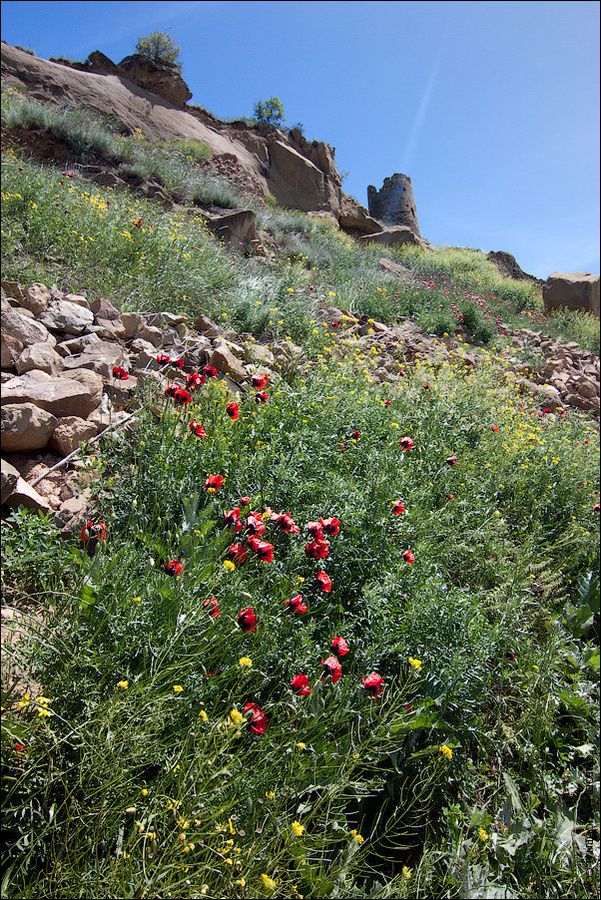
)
(270, 112)
(161, 47)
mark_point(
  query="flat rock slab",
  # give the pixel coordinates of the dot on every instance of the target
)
(59, 396)
(100, 357)
(63, 315)
(39, 356)
(25, 495)
(25, 329)
(8, 480)
(24, 426)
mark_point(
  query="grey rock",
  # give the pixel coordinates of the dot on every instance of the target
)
(64, 315)
(24, 328)
(61, 396)
(39, 356)
(101, 358)
(24, 426)
(70, 432)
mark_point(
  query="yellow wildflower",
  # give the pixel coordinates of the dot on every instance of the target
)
(245, 662)
(229, 565)
(446, 751)
(482, 834)
(177, 688)
(358, 839)
(236, 717)
(41, 705)
(297, 828)
(406, 873)
(268, 882)
(203, 715)
(123, 685)
(415, 663)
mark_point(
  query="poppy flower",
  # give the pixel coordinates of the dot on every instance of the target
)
(258, 719)
(332, 667)
(177, 364)
(406, 443)
(450, 496)
(263, 550)
(331, 525)
(237, 553)
(317, 549)
(197, 429)
(212, 607)
(324, 581)
(355, 435)
(120, 373)
(213, 483)
(388, 403)
(90, 530)
(233, 518)
(403, 373)
(296, 604)
(247, 620)
(597, 507)
(286, 523)
(244, 501)
(408, 557)
(315, 530)
(259, 381)
(373, 684)
(233, 410)
(163, 360)
(254, 524)
(494, 427)
(173, 567)
(340, 646)
(194, 380)
(211, 371)
(397, 507)
(452, 461)
(300, 684)
(261, 397)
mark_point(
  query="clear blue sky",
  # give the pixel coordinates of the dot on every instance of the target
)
(492, 108)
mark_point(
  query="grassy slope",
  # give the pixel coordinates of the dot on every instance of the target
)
(474, 770)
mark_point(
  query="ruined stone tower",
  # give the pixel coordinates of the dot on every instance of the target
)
(393, 204)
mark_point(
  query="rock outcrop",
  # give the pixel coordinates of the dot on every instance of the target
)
(572, 290)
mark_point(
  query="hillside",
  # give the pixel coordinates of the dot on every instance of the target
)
(300, 530)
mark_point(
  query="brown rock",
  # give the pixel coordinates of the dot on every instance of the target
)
(37, 297)
(237, 228)
(132, 322)
(101, 358)
(14, 291)
(63, 315)
(24, 328)
(207, 327)
(70, 432)
(395, 269)
(104, 309)
(224, 361)
(39, 356)
(259, 354)
(78, 299)
(158, 77)
(8, 481)
(121, 392)
(77, 344)
(60, 396)
(24, 495)
(109, 329)
(572, 290)
(151, 334)
(394, 237)
(11, 350)
(92, 381)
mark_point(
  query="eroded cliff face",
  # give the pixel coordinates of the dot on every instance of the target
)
(298, 173)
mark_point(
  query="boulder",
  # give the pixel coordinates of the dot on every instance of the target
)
(8, 481)
(39, 356)
(224, 361)
(132, 322)
(151, 334)
(297, 182)
(24, 328)
(109, 329)
(59, 396)
(158, 77)
(14, 291)
(237, 228)
(572, 290)
(63, 315)
(37, 297)
(24, 426)
(70, 432)
(101, 358)
(395, 268)
(92, 381)
(508, 266)
(77, 344)
(11, 349)
(24, 495)
(104, 309)
(207, 327)
(78, 299)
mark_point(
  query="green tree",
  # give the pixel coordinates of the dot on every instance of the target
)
(270, 112)
(161, 47)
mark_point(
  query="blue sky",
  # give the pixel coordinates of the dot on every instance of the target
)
(492, 108)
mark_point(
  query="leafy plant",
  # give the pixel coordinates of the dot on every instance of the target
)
(160, 46)
(269, 112)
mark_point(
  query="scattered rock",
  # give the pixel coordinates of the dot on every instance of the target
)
(37, 297)
(25, 329)
(24, 495)
(70, 431)
(64, 315)
(25, 426)
(39, 356)
(59, 396)
(101, 358)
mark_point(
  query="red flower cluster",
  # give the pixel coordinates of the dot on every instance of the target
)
(296, 604)
(259, 381)
(263, 550)
(211, 371)
(300, 684)
(331, 525)
(452, 461)
(120, 373)
(258, 719)
(213, 483)
(397, 507)
(194, 379)
(90, 530)
(406, 443)
(237, 553)
(233, 410)
(324, 581)
(177, 364)
(355, 435)
(373, 684)
(173, 567)
(408, 557)
(233, 518)
(247, 620)
(163, 360)
(286, 523)
(261, 397)
(212, 607)
(317, 549)
(340, 646)
(197, 429)
(177, 393)
(332, 667)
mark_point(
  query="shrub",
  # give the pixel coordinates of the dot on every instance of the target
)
(160, 46)
(270, 112)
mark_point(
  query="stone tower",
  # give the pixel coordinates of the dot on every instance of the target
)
(393, 204)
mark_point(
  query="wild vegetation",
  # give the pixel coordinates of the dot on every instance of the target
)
(341, 642)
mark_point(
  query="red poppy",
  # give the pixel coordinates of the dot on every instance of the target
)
(90, 530)
(263, 550)
(237, 553)
(233, 518)
(296, 604)
(315, 530)
(597, 507)
(426, 387)
(244, 501)
(324, 581)
(340, 646)
(373, 684)
(494, 427)
(397, 507)
(211, 371)
(173, 567)
(317, 549)
(212, 607)
(261, 397)
(258, 719)
(408, 557)
(197, 429)
(194, 380)
(259, 381)
(254, 524)
(332, 667)
(406, 443)
(120, 373)
(177, 364)
(355, 435)
(177, 393)
(331, 525)
(213, 483)
(300, 684)
(450, 496)
(162, 359)
(286, 523)
(452, 461)
(247, 620)
(388, 403)
(233, 410)
(403, 373)
(342, 447)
